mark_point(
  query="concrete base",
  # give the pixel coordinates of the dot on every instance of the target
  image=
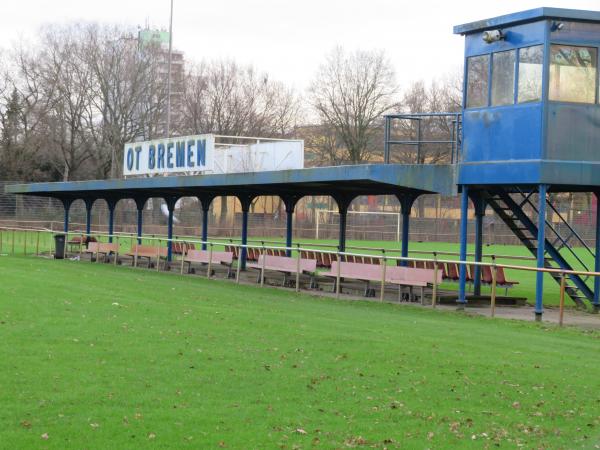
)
(538, 316)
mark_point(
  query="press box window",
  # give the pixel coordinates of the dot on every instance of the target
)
(477, 81)
(573, 73)
(503, 78)
(531, 60)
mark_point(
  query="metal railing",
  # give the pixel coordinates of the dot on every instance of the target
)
(451, 121)
(296, 249)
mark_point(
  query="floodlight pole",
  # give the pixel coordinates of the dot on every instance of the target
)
(169, 73)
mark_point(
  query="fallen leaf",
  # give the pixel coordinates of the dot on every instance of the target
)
(300, 431)
(45, 436)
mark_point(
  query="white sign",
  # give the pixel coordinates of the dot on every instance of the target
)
(192, 155)
(186, 154)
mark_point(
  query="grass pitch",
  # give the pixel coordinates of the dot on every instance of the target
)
(95, 356)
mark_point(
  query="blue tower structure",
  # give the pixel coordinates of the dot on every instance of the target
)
(531, 127)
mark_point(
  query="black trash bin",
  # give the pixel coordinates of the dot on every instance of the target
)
(59, 246)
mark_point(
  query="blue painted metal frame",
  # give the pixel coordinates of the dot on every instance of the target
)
(406, 204)
(464, 220)
(541, 251)
(479, 206)
(139, 203)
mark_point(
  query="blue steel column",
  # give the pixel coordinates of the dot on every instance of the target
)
(111, 219)
(464, 218)
(479, 215)
(597, 256)
(67, 206)
(244, 250)
(170, 201)
(541, 250)
(88, 217)
(139, 203)
(289, 223)
(205, 211)
(343, 211)
(205, 202)
(406, 203)
(245, 201)
(290, 206)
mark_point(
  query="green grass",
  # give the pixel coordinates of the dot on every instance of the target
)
(526, 279)
(97, 356)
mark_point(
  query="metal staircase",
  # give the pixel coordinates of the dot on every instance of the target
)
(509, 207)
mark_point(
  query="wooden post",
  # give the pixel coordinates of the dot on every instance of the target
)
(383, 270)
(237, 271)
(25, 244)
(97, 253)
(80, 246)
(435, 282)
(262, 267)
(210, 252)
(117, 252)
(12, 252)
(337, 277)
(494, 278)
(298, 268)
(37, 244)
(561, 310)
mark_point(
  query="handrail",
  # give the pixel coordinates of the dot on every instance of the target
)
(383, 258)
(551, 227)
(571, 229)
(298, 248)
(455, 119)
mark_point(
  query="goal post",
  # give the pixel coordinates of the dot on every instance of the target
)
(375, 222)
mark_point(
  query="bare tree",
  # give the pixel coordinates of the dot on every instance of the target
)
(129, 94)
(351, 92)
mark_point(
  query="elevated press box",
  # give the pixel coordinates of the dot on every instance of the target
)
(531, 111)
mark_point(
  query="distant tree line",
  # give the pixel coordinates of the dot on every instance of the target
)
(70, 101)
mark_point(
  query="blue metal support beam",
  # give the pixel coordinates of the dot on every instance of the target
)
(464, 219)
(479, 205)
(246, 202)
(89, 203)
(541, 251)
(139, 203)
(111, 218)
(596, 302)
(205, 202)
(170, 201)
(67, 205)
(406, 204)
(290, 206)
(343, 202)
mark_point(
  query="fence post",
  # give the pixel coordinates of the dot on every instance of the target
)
(1, 239)
(337, 277)
(262, 266)
(494, 278)
(435, 281)
(383, 270)
(561, 311)
(37, 244)
(25, 244)
(135, 256)
(117, 251)
(298, 268)
(317, 224)
(210, 252)
(80, 246)
(12, 251)
(237, 270)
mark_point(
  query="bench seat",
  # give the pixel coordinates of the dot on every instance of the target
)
(285, 265)
(205, 257)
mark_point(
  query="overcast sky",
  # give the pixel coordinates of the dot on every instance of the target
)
(287, 39)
